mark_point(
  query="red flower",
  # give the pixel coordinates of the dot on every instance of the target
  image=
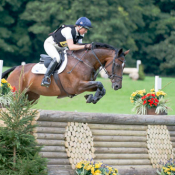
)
(143, 97)
(148, 95)
(153, 95)
(13, 89)
(156, 100)
(144, 102)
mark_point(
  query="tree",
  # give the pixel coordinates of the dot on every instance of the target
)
(19, 153)
(144, 27)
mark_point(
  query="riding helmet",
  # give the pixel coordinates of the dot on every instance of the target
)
(84, 22)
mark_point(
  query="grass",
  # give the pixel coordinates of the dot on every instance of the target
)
(114, 101)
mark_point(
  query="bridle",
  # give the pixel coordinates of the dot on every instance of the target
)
(110, 76)
(113, 64)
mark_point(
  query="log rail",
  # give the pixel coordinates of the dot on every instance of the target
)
(119, 140)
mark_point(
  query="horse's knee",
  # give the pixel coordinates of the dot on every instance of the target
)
(99, 85)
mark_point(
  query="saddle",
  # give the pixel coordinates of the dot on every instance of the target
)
(45, 59)
(41, 67)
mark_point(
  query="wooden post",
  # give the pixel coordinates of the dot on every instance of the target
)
(138, 63)
(158, 83)
(1, 66)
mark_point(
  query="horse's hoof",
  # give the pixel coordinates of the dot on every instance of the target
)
(95, 100)
(89, 98)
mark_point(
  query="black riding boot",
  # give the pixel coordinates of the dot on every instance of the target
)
(46, 80)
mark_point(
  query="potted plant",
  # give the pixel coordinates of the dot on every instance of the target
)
(149, 103)
(6, 90)
(95, 168)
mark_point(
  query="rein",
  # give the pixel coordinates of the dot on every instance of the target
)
(104, 67)
(79, 60)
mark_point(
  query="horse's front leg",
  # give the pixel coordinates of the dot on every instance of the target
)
(92, 86)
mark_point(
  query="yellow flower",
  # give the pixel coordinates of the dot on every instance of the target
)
(133, 94)
(152, 90)
(116, 170)
(109, 168)
(3, 80)
(98, 165)
(158, 93)
(92, 170)
(89, 167)
(79, 165)
(114, 174)
(172, 168)
(9, 86)
(168, 172)
(97, 172)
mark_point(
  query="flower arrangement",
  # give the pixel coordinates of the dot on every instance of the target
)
(6, 90)
(143, 100)
(168, 168)
(92, 168)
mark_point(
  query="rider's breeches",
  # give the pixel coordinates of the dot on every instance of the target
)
(52, 48)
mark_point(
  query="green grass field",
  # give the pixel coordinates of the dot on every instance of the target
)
(114, 101)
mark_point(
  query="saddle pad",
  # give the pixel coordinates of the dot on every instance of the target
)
(41, 69)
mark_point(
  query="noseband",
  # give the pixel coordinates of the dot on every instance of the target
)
(111, 77)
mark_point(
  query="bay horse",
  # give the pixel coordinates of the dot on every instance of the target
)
(78, 76)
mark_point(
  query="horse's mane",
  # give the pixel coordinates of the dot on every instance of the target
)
(100, 45)
(103, 45)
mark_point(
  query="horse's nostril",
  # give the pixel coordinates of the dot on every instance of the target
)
(116, 86)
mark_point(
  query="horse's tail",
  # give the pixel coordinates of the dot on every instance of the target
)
(7, 72)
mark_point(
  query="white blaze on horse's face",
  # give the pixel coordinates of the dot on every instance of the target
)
(123, 64)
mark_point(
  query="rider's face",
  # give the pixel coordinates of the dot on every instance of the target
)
(83, 31)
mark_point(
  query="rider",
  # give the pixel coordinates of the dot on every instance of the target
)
(63, 37)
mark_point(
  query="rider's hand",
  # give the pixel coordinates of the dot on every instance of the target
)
(88, 46)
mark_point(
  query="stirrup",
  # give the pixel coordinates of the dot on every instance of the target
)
(45, 82)
(48, 78)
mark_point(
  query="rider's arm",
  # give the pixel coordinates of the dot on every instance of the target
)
(73, 46)
(66, 32)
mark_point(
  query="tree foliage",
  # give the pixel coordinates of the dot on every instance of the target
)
(144, 27)
(19, 153)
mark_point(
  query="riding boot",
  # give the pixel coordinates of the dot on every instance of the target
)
(46, 80)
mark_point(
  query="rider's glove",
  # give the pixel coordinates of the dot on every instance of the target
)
(88, 46)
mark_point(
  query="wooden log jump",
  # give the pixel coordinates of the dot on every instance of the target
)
(134, 144)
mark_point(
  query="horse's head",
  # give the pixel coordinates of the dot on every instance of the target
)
(115, 66)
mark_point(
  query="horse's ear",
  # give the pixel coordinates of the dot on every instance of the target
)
(120, 52)
(126, 52)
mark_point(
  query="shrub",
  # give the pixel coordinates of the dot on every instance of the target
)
(19, 154)
(141, 72)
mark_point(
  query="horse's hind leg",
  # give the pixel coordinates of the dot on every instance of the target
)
(32, 96)
(93, 86)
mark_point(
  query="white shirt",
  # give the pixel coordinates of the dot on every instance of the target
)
(66, 32)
